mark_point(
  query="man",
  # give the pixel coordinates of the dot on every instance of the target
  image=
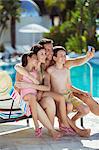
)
(60, 78)
(48, 46)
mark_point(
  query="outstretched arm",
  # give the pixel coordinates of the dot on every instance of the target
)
(80, 60)
(23, 71)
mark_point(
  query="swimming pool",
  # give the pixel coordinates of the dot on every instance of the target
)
(80, 77)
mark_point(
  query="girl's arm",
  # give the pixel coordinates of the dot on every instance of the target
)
(45, 87)
(23, 72)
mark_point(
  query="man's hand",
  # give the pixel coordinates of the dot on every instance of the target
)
(91, 53)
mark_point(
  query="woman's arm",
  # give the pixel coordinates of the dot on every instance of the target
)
(31, 85)
(23, 71)
(45, 87)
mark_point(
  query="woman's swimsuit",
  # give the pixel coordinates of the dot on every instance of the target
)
(25, 91)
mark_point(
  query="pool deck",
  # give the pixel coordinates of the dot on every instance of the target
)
(16, 136)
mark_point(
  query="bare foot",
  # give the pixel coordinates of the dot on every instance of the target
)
(84, 132)
(56, 134)
(67, 131)
(74, 122)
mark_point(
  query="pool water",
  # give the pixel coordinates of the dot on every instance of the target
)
(80, 77)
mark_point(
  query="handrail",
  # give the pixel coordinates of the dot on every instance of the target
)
(91, 77)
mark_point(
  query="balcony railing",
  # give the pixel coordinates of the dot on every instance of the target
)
(91, 77)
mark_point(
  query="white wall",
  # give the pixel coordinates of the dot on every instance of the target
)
(26, 38)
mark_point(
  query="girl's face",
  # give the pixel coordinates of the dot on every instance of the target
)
(41, 55)
(33, 60)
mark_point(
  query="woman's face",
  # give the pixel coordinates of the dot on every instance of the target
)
(41, 55)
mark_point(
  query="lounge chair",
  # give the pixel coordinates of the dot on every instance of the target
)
(10, 109)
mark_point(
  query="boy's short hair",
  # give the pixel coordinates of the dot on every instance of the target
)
(58, 48)
(35, 48)
(45, 41)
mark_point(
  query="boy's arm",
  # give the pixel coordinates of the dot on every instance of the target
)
(80, 60)
(23, 72)
(76, 90)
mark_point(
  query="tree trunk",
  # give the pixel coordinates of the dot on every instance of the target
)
(13, 32)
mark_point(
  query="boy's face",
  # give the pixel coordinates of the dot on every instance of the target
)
(61, 57)
(49, 50)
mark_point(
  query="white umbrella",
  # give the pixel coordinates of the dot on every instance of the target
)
(34, 28)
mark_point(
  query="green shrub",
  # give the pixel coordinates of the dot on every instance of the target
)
(76, 43)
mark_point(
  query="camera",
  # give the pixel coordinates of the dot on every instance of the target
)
(90, 48)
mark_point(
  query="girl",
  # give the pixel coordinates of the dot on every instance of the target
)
(29, 62)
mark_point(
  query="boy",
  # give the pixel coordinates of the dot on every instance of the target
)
(60, 79)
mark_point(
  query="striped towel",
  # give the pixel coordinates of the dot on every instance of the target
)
(22, 105)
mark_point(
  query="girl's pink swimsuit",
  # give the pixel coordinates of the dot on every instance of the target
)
(25, 91)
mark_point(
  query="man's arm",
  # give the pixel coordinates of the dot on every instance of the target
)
(80, 60)
(23, 72)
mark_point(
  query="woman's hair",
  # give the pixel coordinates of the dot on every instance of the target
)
(24, 58)
(36, 48)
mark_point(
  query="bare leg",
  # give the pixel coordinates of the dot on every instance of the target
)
(82, 111)
(33, 105)
(93, 105)
(46, 122)
(62, 107)
(48, 105)
(81, 132)
(69, 107)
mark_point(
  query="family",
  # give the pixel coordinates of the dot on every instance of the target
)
(43, 81)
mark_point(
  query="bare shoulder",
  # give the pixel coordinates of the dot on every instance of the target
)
(50, 69)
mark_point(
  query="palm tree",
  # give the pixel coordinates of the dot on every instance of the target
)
(62, 8)
(9, 10)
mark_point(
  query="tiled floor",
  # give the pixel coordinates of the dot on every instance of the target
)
(23, 138)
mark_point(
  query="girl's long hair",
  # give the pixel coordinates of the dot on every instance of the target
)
(24, 58)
